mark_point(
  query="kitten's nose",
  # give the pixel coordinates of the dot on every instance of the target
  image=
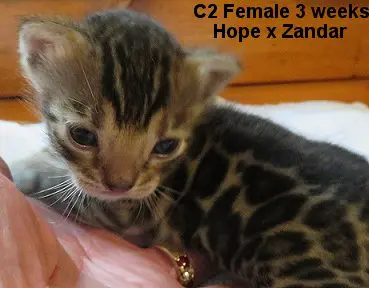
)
(122, 187)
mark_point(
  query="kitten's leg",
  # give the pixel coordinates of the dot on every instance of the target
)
(224, 279)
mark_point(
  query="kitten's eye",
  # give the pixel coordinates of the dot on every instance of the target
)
(83, 136)
(165, 147)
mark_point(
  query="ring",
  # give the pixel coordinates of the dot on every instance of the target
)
(184, 268)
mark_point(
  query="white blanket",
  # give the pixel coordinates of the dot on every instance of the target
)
(346, 125)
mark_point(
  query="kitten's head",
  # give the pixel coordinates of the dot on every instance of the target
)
(119, 96)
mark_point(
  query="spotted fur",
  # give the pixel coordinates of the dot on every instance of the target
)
(268, 206)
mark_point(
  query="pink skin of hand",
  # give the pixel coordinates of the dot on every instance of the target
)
(39, 248)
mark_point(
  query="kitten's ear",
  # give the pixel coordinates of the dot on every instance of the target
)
(44, 42)
(213, 70)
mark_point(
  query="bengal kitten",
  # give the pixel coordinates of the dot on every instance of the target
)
(134, 118)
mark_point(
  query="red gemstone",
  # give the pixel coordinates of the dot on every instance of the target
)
(183, 261)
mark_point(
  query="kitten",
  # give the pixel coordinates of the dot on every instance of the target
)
(134, 117)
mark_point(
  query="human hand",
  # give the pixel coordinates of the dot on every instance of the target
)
(49, 251)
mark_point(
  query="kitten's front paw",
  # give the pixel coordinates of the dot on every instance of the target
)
(207, 273)
(38, 172)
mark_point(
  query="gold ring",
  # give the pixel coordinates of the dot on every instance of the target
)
(184, 268)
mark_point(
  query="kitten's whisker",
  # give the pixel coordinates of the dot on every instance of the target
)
(143, 208)
(57, 156)
(66, 209)
(79, 102)
(139, 211)
(170, 189)
(75, 201)
(53, 187)
(156, 201)
(151, 201)
(148, 204)
(30, 105)
(61, 190)
(80, 206)
(61, 196)
(164, 195)
(88, 84)
(174, 202)
(63, 176)
(70, 194)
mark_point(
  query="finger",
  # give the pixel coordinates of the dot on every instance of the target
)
(61, 271)
(4, 169)
(31, 256)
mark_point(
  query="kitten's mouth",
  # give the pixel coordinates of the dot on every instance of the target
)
(115, 194)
